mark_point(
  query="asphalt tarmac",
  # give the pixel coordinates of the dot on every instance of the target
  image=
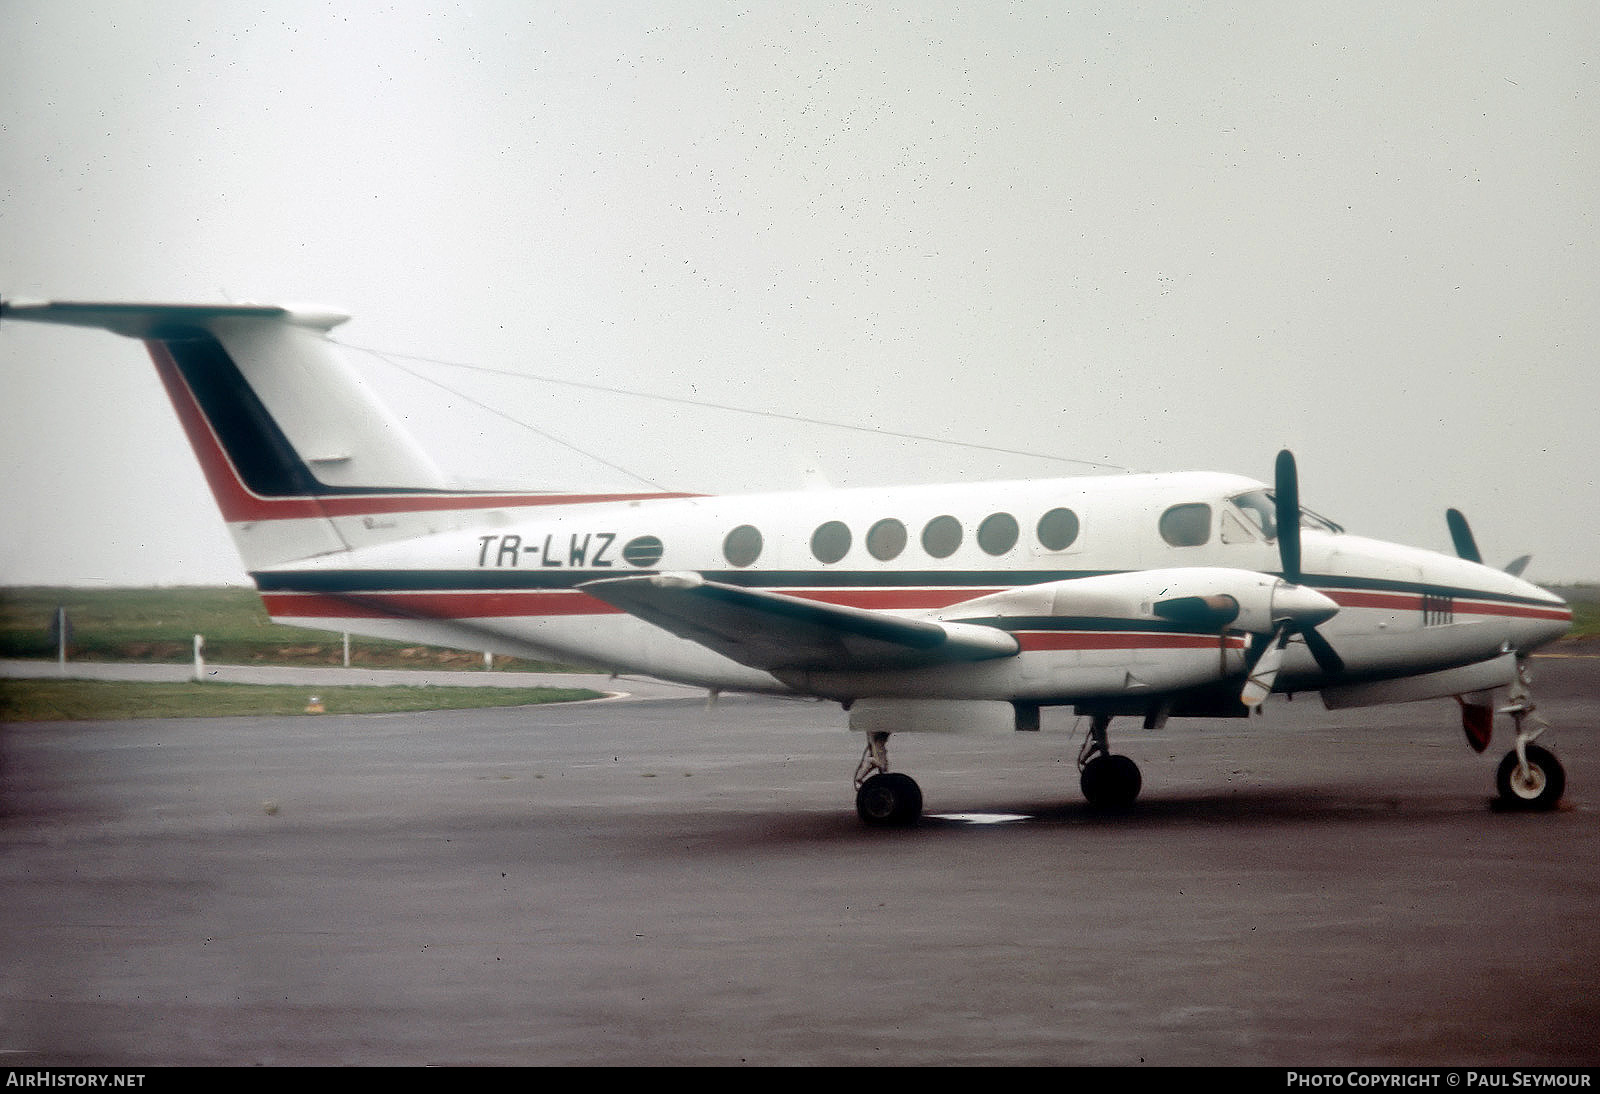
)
(655, 882)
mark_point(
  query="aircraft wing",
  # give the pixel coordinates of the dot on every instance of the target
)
(775, 632)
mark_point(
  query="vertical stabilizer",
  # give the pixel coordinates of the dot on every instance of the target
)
(288, 434)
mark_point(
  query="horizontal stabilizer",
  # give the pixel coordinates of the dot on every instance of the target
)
(146, 321)
(290, 415)
(288, 433)
(775, 632)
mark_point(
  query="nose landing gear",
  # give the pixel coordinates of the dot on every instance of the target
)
(1530, 777)
(1532, 780)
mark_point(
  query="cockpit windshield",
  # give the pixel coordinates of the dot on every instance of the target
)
(1257, 505)
(1262, 510)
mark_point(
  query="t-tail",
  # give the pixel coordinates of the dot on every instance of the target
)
(303, 459)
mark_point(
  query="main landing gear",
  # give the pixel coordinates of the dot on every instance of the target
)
(884, 798)
(1530, 777)
(888, 799)
(1109, 781)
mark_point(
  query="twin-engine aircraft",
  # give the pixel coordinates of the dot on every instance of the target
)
(962, 609)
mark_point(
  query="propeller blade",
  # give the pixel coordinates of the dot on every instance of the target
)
(1461, 535)
(1327, 657)
(1258, 685)
(1518, 564)
(1286, 493)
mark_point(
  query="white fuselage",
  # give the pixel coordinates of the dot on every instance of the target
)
(507, 580)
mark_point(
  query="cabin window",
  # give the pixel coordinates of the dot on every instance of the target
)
(1058, 529)
(941, 536)
(831, 541)
(643, 551)
(886, 539)
(1187, 525)
(743, 545)
(998, 533)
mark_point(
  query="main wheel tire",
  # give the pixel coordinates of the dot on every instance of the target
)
(889, 800)
(1540, 787)
(1111, 782)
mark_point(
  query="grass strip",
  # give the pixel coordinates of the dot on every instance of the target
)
(159, 625)
(1585, 619)
(100, 700)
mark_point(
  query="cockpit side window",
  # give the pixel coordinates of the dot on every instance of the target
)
(1262, 509)
(1187, 525)
(1258, 506)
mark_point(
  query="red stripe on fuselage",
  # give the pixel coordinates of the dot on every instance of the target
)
(1349, 598)
(1516, 611)
(501, 604)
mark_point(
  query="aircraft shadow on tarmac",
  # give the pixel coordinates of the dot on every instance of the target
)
(1248, 808)
(1287, 809)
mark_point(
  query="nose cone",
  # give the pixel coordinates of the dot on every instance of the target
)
(1301, 606)
(1538, 623)
(1529, 617)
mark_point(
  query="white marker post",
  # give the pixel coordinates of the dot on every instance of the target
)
(199, 659)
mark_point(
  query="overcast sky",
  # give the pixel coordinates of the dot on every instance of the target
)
(1161, 236)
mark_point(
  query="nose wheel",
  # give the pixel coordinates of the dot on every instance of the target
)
(1530, 777)
(1533, 783)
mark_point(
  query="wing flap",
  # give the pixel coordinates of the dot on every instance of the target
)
(777, 632)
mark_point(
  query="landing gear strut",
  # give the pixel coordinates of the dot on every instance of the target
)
(1530, 777)
(884, 798)
(1109, 781)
